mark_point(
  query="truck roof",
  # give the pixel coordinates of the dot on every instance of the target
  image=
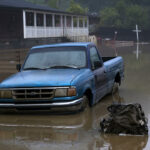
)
(85, 44)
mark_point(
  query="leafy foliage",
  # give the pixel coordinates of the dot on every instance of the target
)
(125, 15)
(118, 13)
(136, 15)
(37, 1)
(53, 3)
(59, 4)
(109, 17)
(77, 8)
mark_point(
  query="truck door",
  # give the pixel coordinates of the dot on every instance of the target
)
(98, 72)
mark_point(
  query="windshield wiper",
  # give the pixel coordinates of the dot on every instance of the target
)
(52, 67)
(74, 67)
(33, 68)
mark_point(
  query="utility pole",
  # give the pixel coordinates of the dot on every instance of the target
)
(115, 36)
(137, 33)
(137, 52)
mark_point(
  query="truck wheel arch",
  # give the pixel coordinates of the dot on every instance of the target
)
(89, 95)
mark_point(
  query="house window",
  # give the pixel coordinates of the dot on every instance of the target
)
(40, 19)
(81, 22)
(57, 21)
(75, 22)
(49, 22)
(68, 21)
(29, 19)
(86, 23)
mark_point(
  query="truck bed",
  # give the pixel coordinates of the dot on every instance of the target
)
(113, 65)
(107, 58)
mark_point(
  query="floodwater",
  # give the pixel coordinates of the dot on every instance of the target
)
(44, 131)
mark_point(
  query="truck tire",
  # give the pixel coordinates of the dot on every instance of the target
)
(85, 103)
(117, 83)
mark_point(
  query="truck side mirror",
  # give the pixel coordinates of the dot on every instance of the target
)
(18, 67)
(97, 64)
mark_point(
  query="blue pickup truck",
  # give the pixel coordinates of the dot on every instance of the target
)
(66, 76)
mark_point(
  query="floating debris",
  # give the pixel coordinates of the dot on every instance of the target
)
(125, 119)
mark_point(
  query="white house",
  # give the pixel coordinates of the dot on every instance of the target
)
(25, 20)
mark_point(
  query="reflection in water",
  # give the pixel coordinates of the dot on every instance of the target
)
(114, 142)
(41, 131)
(117, 99)
(36, 131)
(137, 52)
(45, 131)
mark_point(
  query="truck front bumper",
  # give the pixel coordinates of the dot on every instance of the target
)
(65, 105)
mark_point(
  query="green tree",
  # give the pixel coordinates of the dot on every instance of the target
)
(125, 15)
(53, 3)
(119, 13)
(37, 1)
(121, 8)
(109, 17)
(77, 8)
(136, 15)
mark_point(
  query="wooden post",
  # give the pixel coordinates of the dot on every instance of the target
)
(35, 19)
(53, 20)
(62, 24)
(35, 25)
(72, 22)
(78, 22)
(61, 21)
(65, 21)
(24, 24)
(45, 25)
(44, 20)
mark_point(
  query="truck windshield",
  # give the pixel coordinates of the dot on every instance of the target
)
(62, 57)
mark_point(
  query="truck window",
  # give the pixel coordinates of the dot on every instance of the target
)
(58, 57)
(95, 60)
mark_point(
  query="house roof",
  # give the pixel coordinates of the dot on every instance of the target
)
(22, 4)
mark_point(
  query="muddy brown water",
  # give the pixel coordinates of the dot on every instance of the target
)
(44, 131)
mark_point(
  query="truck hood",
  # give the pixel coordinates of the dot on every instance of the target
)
(42, 78)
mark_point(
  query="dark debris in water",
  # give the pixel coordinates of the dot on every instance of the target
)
(125, 119)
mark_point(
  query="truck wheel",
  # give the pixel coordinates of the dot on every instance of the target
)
(85, 103)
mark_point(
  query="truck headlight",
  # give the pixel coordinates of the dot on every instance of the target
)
(64, 92)
(61, 93)
(5, 94)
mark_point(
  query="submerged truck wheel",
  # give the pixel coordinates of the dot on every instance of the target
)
(85, 103)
